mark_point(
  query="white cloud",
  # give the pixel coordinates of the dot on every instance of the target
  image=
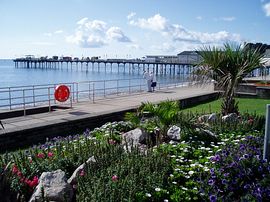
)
(228, 19)
(115, 33)
(266, 8)
(199, 18)
(131, 15)
(156, 23)
(179, 33)
(95, 34)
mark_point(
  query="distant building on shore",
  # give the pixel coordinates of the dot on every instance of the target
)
(190, 57)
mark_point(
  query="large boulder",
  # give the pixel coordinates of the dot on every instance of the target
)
(230, 118)
(135, 137)
(73, 179)
(174, 133)
(54, 187)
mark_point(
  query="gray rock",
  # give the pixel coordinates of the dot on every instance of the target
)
(55, 187)
(230, 118)
(173, 142)
(174, 133)
(209, 133)
(135, 137)
(204, 118)
(73, 179)
(212, 117)
(208, 118)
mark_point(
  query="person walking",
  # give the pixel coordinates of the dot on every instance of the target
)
(153, 81)
(147, 77)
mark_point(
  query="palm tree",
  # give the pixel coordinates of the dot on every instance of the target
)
(228, 65)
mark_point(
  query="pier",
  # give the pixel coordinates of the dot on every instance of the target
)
(128, 65)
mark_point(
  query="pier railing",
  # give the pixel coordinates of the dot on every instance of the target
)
(25, 97)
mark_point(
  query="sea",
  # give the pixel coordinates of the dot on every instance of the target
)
(11, 76)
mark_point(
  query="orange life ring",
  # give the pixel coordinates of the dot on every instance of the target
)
(61, 93)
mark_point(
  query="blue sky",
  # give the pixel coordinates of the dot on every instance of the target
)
(127, 28)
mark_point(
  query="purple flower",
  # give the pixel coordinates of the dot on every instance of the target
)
(224, 181)
(211, 182)
(213, 198)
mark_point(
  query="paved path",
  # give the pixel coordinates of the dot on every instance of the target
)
(100, 107)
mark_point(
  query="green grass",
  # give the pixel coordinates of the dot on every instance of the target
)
(250, 105)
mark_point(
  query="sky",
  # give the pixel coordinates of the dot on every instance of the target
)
(127, 28)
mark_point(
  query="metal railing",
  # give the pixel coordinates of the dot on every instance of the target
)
(24, 97)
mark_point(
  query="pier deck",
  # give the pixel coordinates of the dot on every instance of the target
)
(26, 130)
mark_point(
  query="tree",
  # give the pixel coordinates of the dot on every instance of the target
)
(228, 65)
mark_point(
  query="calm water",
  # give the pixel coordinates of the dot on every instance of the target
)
(11, 76)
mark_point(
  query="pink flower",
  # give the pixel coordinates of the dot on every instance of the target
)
(250, 121)
(82, 173)
(41, 155)
(114, 178)
(50, 154)
(111, 141)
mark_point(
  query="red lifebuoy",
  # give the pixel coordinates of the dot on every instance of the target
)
(61, 93)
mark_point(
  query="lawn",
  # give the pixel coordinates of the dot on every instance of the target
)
(250, 105)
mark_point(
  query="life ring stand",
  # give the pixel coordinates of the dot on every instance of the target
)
(61, 93)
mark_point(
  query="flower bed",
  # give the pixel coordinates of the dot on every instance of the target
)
(197, 168)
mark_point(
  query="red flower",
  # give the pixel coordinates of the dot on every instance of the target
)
(114, 178)
(50, 154)
(41, 155)
(15, 169)
(19, 174)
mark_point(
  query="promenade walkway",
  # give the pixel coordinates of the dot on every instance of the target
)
(25, 125)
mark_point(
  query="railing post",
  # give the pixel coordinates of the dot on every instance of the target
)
(129, 86)
(93, 93)
(77, 91)
(49, 99)
(54, 89)
(117, 87)
(104, 85)
(73, 91)
(70, 98)
(24, 108)
(9, 94)
(89, 90)
(34, 97)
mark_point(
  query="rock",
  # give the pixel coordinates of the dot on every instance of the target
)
(73, 179)
(174, 133)
(207, 118)
(206, 134)
(173, 142)
(135, 137)
(209, 133)
(230, 118)
(54, 187)
(203, 118)
(212, 117)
